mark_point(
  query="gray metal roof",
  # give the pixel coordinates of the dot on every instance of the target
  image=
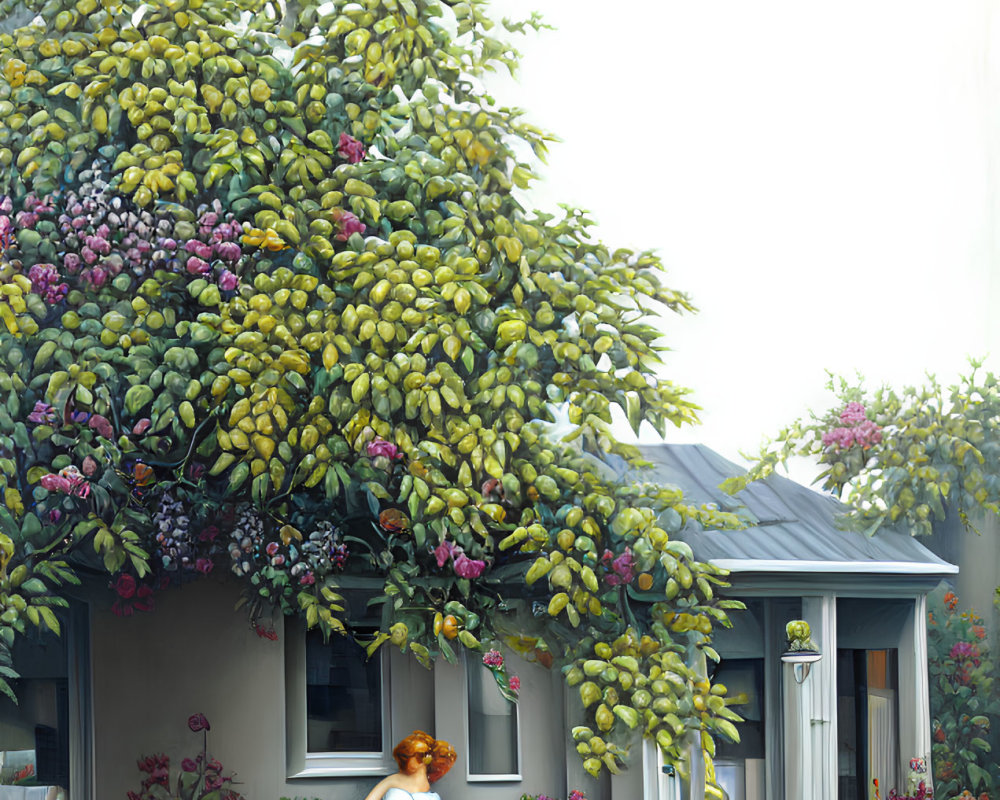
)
(792, 529)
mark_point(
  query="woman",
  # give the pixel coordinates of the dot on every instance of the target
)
(422, 759)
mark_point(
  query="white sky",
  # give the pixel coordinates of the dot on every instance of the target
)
(820, 178)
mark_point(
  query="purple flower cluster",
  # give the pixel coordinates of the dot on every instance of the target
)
(463, 566)
(318, 555)
(964, 651)
(45, 280)
(856, 429)
(42, 413)
(103, 234)
(622, 567)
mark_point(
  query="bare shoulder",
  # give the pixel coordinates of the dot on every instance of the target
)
(394, 781)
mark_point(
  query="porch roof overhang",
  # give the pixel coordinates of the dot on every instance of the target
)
(792, 530)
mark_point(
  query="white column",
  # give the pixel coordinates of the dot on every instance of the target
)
(914, 690)
(811, 710)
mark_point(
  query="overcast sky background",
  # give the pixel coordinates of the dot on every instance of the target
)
(820, 178)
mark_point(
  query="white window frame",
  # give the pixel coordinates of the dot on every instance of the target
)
(469, 664)
(300, 763)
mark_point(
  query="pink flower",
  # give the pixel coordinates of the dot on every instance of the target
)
(350, 148)
(444, 551)
(493, 659)
(197, 266)
(197, 722)
(466, 567)
(197, 248)
(89, 466)
(272, 548)
(189, 765)
(228, 280)
(514, 683)
(101, 425)
(204, 565)
(228, 251)
(621, 567)
(56, 483)
(380, 447)
(349, 224)
(307, 579)
(576, 795)
(142, 426)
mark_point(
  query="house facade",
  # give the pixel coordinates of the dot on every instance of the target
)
(297, 718)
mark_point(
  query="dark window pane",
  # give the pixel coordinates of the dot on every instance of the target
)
(492, 726)
(744, 676)
(343, 697)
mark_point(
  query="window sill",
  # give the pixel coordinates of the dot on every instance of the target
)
(339, 772)
(493, 778)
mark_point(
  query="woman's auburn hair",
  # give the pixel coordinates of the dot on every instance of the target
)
(438, 755)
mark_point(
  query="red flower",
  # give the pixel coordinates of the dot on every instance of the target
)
(125, 586)
(197, 722)
(514, 683)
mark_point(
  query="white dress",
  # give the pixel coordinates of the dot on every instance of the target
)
(395, 793)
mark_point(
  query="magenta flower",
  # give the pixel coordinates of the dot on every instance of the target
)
(208, 533)
(350, 148)
(56, 483)
(621, 567)
(493, 659)
(189, 765)
(204, 565)
(444, 551)
(228, 251)
(197, 722)
(380, 447)
(198, 248)
(466, 567)
(272, 548)
(228, 280)
(42, 412)
(576, 795)
(514, 683)
(349, 224)
(197, 266)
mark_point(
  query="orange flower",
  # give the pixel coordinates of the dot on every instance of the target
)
(980, 631)
(950, 601)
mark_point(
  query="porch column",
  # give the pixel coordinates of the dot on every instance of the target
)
(914, 690)
(811, 710)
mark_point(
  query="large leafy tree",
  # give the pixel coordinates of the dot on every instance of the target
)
(270, 303)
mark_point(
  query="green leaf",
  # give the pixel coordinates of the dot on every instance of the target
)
(138, 397)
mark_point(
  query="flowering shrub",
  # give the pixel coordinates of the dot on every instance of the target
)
(573, 795)
(270, 305)
(965, 705)
(200, 778)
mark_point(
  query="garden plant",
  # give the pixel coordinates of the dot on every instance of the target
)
(270, 303)
(907, 459)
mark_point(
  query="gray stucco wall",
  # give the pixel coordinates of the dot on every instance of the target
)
(195, 654)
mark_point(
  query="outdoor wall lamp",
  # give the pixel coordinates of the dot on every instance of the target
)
(802, 652)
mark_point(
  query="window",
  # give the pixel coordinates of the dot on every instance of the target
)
(40, 736)
(492, 732)
(337, 704)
